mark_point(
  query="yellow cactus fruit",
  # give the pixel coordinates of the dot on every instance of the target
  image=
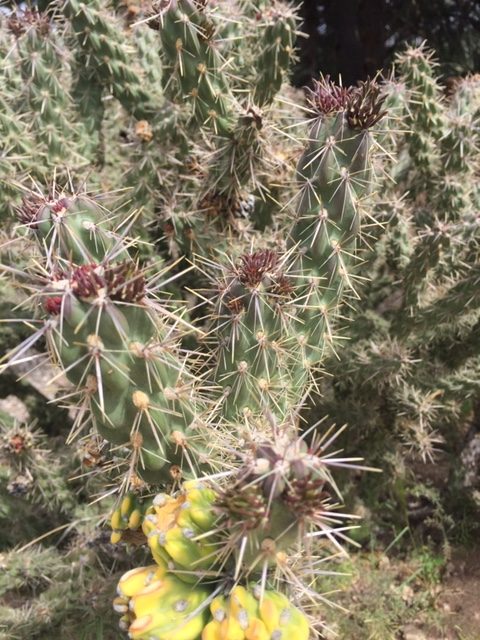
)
(135, 519)
(115, 537)
(137, 579)
(127, 516)
(244, 615)
(279, 615)
(127, 505)
(155, 605)
(175, 528)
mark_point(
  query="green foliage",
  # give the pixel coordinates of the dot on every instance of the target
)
(412, 347)
(188, 317)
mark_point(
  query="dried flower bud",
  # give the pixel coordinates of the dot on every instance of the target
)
(124, 282)
(53, 305)
(326, 97)
(254, 266)
(364, 108)
(86, 282)
(29, 210)
(21, 21)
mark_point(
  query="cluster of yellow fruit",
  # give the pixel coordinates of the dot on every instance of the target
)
(156, 605)
(127, 517)
(179, 598)
(249, 615)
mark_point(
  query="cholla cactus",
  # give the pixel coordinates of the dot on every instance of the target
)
(203, 406)
(413, 340)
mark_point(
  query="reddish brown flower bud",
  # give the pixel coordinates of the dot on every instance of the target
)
(254, 266)
(60, 205)
(20, 21)
(29, 210)
(364, 108)
(326, 97)
(53, 305)
(86, 282)
(125, 282)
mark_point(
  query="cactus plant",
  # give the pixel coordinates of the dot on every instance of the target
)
(414, 327)
(193, 313)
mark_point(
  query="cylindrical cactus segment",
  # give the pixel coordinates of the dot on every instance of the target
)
(108, 55)
(425, 116)
(253, 339)
(282, 490)
(155, 605)
(278, 24)
(238, 157)
(111, 339)
(75, 229)
(335, 173)
(16, 154)
(274, 312)
(44, 74)
(247, 614)
(192, 63)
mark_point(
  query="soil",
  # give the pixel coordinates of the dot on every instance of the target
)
(460, 596)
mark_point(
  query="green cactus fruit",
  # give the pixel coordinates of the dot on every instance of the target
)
(247, 614)
(174, 526)
(155, 605)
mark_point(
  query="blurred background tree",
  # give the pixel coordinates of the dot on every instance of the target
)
(356, 38)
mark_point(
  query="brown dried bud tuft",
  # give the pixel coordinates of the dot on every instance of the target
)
(282, 286)
(53, 305)
(159, 8)
(306, 496)
(326, 97)
(86, 282)
(60, 205)
(254, 266)
(244, 504)
(17, 441)
(124, 282)
(144, 131)
(20, 21)
(28, 211)
(364, 108)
